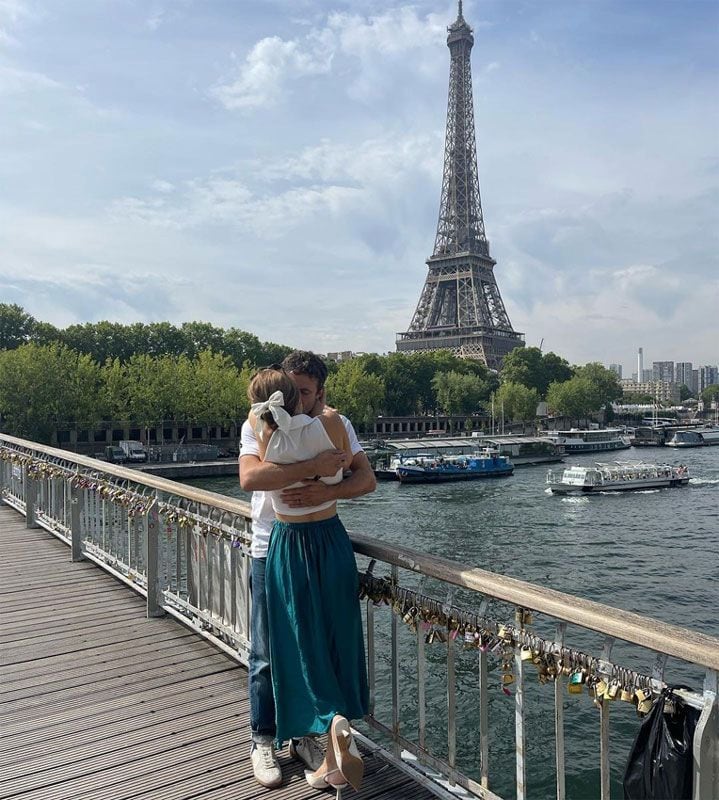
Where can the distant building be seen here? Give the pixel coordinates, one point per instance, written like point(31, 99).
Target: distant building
point(663, 371)
point(659, 390)
point(640, 364)
point(344, 355)
point(695, 381)
point(683, 374)
point(708, 376)
point(647, 376)
point(616, 369)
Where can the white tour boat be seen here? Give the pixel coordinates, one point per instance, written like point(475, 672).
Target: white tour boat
point(695, 437)
point(591, 441)
point(622, 476)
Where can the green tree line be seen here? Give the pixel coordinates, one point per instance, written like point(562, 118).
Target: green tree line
point(198, 373)
point(112, 340)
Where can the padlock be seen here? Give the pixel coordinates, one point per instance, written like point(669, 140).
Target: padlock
point(525, 654)
point(612, 691)
point(576, 683)
point(645, 706)
point(409, 616)
point(626, 695)
point(507, 678)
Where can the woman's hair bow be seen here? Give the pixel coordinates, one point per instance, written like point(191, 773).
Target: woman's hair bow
point(275, 406)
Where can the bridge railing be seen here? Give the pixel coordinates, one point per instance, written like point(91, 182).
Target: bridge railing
point(439, 634)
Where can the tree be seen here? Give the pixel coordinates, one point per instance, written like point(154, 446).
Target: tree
point(605, 382)
point(43, 386)
point(457, 393)
point(556, 369)
point(519, 402)
point(685, 392)
point(710, 393)
point(575, 398)
point(356, 393)
point(16, 326)
point(528, 367)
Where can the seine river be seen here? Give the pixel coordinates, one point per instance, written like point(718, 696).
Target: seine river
point(655, 553)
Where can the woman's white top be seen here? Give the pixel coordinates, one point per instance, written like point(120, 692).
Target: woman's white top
point(304, 438)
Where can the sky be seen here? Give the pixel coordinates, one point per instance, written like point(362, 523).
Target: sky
point(275, 165)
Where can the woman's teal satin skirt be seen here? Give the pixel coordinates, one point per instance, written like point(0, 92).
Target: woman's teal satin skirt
point(316, 640)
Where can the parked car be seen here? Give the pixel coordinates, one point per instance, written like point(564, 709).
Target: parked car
point(115, 455)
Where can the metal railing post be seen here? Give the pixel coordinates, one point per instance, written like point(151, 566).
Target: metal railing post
point(706, 742)
point(76, 509)
point(30, 500)
point(152, 561)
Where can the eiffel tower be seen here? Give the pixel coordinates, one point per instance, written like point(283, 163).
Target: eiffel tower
point(460, 308)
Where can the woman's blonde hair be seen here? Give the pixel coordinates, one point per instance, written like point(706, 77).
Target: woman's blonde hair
point(268, 381)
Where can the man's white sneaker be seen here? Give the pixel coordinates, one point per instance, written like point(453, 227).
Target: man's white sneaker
point(265, 766)
point(308, 751)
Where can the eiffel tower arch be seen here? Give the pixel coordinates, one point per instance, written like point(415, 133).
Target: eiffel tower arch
point(460, 308)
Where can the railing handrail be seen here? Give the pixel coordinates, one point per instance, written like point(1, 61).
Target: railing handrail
point(654, 634)
point(221, 501)
point(673, 640)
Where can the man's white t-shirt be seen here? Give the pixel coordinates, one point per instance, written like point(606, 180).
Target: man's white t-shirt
point(263, 515)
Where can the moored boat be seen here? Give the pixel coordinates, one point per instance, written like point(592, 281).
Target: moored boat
point(440, 469)
point(622, 476)
point(576, 440)
point(697, 437)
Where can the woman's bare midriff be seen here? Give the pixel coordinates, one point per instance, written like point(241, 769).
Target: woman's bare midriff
point(315, 516)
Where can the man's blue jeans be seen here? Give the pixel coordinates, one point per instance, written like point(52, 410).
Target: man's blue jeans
point(262, 701)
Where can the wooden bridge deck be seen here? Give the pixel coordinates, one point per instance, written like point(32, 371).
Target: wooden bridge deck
point(97, 702)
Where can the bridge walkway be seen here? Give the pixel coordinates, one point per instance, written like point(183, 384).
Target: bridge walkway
point(98, 702)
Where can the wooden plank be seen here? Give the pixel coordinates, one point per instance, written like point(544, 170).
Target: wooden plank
point(112, 686)
point(98, 712)
point(99, 702)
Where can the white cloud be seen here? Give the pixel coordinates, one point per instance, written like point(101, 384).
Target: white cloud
point(12, 13)
point(269, 64)
point(273, 62)
point(14, 81)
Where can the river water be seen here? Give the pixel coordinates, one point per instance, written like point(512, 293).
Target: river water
point(655, 553)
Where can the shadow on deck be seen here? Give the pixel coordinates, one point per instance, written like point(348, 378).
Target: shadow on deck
point(98, 702)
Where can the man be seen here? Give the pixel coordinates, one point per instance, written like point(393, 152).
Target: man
point(309, 374)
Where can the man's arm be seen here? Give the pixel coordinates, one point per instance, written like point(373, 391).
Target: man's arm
point(264, 476)
point(361, 481)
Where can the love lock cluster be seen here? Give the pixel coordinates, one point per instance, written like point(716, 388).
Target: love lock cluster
point(444, 622)
point(134, 503)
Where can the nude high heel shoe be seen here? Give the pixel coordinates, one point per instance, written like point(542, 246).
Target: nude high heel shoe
point(328, 775)
point(348, 758)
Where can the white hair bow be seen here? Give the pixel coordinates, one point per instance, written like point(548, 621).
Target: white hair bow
point(274, 404)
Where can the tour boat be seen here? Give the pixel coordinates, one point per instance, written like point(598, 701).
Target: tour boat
point(697, 437)
point(591, 441)
point(439, 469)
point(622, 476)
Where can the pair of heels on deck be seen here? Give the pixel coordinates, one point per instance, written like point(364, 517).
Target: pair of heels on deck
point(343, 763)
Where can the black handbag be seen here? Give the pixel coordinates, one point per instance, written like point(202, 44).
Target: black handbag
point(661, 764)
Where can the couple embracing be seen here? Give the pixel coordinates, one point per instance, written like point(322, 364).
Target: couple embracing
point(307, 671)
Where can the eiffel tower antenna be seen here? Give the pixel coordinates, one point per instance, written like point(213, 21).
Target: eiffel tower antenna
point(460, 308)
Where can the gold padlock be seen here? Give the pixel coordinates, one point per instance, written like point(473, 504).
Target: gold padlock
point(626, 695)
point(600, 688)
point(525, 653)
point(640, 695)
point(645, 706)
point(612, 691)
point(507, 678)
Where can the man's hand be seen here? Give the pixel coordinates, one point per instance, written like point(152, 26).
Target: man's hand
point(328, 462)
point(309, 494)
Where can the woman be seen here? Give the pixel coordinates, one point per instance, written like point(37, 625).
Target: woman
point(316, 643)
